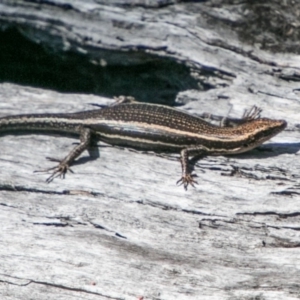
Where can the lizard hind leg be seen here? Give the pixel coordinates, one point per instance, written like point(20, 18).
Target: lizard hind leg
point(64, 165)
point(58, 171)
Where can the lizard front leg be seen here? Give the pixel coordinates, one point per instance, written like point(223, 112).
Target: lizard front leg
point(249, 114)
point(187, 176)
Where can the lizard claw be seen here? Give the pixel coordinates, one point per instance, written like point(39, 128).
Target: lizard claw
point(187, 179)
point(58, 171)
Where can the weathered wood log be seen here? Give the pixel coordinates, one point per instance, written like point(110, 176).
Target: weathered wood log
point(119, 227)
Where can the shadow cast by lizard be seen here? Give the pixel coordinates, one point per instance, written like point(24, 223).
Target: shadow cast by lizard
point(270, 150)
point(261, 152)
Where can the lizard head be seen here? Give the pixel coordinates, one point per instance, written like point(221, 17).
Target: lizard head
point(258, 131)
point(253, 133)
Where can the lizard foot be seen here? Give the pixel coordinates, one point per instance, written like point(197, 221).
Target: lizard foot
point(187, 179)
point(58, 171)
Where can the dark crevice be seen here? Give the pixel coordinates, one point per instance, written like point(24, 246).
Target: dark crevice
point(99, 226)
point(284, 227)
point(20, 188)
point(60, 221)
point(55, 224)
point(171, 208)
point(6, 205)
point(65, 6)
point(146, 77)
point(144, 4)
point(30, 281)
point(216, 223)
point(286, 193)
point(284, 245)
point(15, 188)
point(266, 213)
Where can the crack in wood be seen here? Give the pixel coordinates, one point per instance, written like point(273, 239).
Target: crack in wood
point(60, 286)
point(99, 226)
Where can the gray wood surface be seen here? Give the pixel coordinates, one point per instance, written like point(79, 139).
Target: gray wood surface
point(119, 227)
